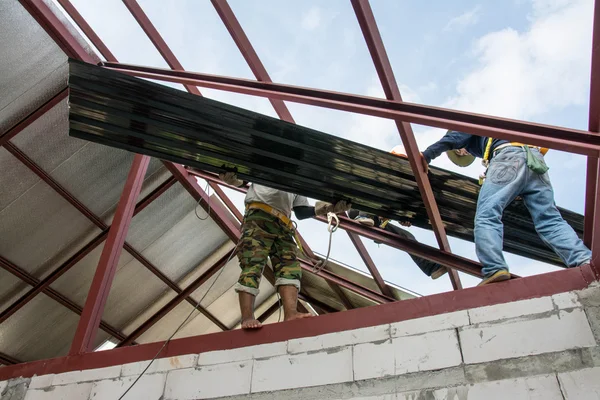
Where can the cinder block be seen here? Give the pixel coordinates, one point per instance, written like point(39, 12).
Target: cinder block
point(160, 365)
point(243, 353)
point(77, 391)
point(380, 397)
point(568, 330)
point(87, 375)
point(511, 310)
point(374, 360)
point(581, 385)
point(566, 300)
point(430, 351)
point(339, 339)
point(426, 352)
point(15, 389)
point(430, 324)
point(534, 388)
point(41, 382)
point(149, 387)
point(303, 370)
point(208, 382)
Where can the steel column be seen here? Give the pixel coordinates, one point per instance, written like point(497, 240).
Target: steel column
point(107, 266)
point(592, 211)
point(54, 295)
point(191, 288)
point(370, 31)
point(592, 175)
point(559, 138)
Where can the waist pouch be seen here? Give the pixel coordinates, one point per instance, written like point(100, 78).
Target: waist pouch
point(537, 165)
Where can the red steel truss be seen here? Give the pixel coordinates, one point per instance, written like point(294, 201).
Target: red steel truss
point(575, 141)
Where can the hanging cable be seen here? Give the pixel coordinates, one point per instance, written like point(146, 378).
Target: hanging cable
point(182, 324)
point(331, 227)
point(207, 190)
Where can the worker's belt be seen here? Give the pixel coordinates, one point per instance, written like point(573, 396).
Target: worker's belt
point(542, 150)
point(270, 210)
point(383, 223)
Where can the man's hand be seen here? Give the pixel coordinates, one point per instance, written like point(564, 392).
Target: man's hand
point(405, 223)
point(322, 207)
point(425, 164)
point(231, 179)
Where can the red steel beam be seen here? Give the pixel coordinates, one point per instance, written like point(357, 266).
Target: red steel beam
point(107, 54)
point(9, 134)
point(55, 295)
point(58, 31)
point(388, 238)
point(362, 251)
point(156, 39)
point(191, 288)
point(593, 126)
point(243, 43)
point(260, 72)
point(565, 139)
point(592, 211)
point(370, 31)
point(100, 224)
point(87, 30)
point(548, 284)
point(107, 266)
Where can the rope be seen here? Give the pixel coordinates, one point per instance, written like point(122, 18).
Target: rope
point(207, 190)
point(331, 228)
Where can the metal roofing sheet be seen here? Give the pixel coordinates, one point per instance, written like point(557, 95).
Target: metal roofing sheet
point(33, 67)
point(40, 230)
point(42, 329)
point(127, 112)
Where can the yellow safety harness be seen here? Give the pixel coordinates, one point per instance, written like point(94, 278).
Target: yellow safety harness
point(281, 216)
point(488, 150)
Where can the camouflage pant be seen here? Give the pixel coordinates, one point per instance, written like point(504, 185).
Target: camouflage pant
point(264, 236)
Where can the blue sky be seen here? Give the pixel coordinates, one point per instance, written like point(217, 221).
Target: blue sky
point(526, 59)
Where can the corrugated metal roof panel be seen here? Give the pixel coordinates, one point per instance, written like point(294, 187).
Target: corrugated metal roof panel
point(126, 112)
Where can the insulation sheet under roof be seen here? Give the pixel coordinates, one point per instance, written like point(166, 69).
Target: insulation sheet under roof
point(118, 110)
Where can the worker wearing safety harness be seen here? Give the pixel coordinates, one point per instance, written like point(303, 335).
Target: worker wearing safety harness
point(268, 231)
point(513, 169)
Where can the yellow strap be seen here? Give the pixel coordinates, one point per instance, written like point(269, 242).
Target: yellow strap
point(486, 154)
point(270, 210)
point(384, 223)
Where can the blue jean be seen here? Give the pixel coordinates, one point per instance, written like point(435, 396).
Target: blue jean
point(508, 177)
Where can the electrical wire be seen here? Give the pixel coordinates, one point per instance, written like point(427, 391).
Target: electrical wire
point(182, 324)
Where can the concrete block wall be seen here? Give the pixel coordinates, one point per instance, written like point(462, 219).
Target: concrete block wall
point(543, 348)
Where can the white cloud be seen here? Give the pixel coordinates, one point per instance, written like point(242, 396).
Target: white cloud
point(311, 19)
point(470, 17)
point(521, 75)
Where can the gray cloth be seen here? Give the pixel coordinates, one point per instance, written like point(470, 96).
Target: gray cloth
point(278, 199)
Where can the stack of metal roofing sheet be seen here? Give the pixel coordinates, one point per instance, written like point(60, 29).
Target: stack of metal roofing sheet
point(118, 110)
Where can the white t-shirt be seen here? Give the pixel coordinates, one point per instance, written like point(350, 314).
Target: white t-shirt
point(278, 199)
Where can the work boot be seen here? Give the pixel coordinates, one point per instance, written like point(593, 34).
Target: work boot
point(366, 221)
point(441, 271)
point(498, 276)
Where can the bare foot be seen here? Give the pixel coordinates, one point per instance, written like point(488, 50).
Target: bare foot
point(251, 323)
point(297, 316)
